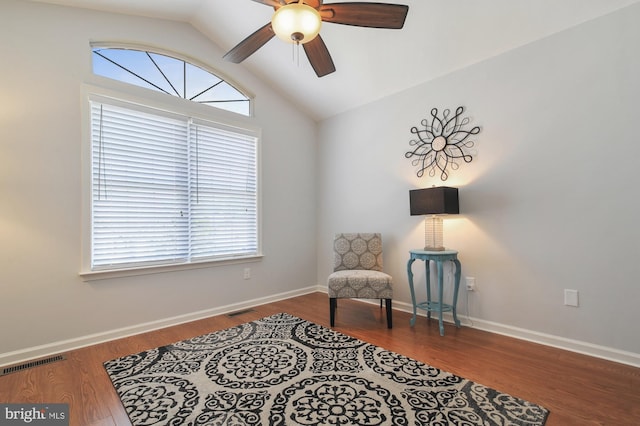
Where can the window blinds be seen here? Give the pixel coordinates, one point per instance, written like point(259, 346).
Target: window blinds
point(223, 193)
point(166, 190)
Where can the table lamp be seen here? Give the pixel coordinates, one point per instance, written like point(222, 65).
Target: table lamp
point(433, 202)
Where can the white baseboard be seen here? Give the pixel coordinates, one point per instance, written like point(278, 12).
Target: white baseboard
point(17, 357)
point(585, 348)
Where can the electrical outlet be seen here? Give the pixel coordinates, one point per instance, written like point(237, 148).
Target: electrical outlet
point(471, 284)
point(247, 273)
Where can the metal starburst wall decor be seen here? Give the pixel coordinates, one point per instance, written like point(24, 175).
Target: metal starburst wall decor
point(441, 142)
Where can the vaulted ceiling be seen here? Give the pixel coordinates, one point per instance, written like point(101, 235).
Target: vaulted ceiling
point(439, 36)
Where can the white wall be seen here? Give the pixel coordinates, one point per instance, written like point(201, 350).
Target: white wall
point(550, 202)
point(45, 62)
point(557, 121)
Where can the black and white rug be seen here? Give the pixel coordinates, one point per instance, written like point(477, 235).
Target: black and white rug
point(282, 370)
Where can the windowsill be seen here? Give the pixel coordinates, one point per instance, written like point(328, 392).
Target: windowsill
point(160, 269)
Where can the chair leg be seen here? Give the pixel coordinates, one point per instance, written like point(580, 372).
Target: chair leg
point(389, 313)
point(333, 302)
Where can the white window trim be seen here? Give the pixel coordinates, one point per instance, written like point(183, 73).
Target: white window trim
point(123, 93)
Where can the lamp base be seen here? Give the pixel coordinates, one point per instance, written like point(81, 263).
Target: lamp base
point(433, 240)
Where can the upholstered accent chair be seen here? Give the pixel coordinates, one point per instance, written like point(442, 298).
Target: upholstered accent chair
point(358, 272)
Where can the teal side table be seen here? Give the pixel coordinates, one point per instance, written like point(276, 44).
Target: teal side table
point(438, 257)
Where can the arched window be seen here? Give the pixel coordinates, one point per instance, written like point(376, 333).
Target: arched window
point(168, 186)
point(169, 75)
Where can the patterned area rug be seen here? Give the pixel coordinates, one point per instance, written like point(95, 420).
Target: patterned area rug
point(282, 370)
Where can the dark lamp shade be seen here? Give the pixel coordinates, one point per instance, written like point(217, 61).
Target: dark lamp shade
point(437, 200)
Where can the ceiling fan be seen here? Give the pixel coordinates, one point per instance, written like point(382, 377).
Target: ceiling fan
point(299, 21)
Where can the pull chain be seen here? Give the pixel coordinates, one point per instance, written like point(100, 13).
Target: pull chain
point(296, 37)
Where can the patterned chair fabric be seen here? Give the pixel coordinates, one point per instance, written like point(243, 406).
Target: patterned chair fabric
point(358, 271)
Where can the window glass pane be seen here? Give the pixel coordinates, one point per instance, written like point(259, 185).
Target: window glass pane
point(201, 83)
point(129, 66)
point(172, 72)
point(169, 75)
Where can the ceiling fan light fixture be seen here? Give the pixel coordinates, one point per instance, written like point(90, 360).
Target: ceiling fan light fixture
point(296, 23)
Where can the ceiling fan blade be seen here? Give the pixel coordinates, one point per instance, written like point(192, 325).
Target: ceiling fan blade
point(319, 56)
point(273, 3)
point(374, 15)
point(249, 45)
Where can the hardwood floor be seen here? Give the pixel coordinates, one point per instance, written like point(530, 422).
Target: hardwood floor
point(577, 389)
